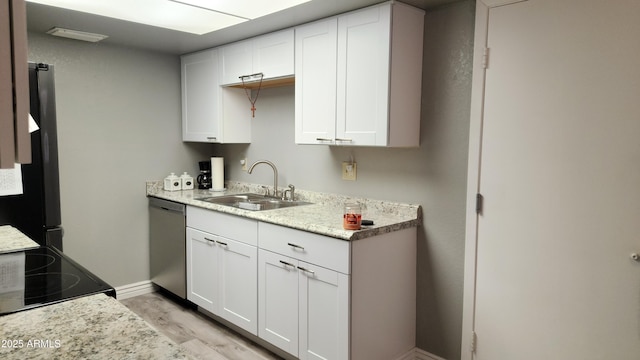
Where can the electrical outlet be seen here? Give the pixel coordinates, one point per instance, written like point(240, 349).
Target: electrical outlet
point(349, 171)
point(243, 162)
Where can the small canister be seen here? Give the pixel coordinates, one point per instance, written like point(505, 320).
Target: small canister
point(352, 218)
point(186, 181)
point(172, 183)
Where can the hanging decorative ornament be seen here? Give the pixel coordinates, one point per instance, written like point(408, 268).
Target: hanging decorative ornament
point(248, 91)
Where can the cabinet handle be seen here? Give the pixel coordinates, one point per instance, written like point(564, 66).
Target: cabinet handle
point(287, 264)
point(210, 240)
point(252, 76)
point(344, 140)
point(296, 246)
point(323, 139)
point(221, 243)
point(306, 270)
point(211, 138)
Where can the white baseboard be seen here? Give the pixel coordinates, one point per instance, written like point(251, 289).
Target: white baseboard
point(418, 354)
point(423, 355)
point(135, 289)
point(411, 355)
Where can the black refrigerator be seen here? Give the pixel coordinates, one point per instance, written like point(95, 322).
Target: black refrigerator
point(36, 212)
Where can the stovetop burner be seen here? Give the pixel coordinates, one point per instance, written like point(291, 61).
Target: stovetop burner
point(42, 261)
point(44, 276)
point(48, 283)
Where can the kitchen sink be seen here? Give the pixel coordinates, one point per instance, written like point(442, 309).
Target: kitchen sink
point(254, 202)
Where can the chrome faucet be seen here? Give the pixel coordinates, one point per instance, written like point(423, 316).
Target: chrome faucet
point(275, 174)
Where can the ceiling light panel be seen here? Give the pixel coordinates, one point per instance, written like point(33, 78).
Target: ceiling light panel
point(77, 35)
point(249, 9)
point(160, 13)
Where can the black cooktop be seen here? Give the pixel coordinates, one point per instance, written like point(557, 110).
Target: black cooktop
point(44, 276)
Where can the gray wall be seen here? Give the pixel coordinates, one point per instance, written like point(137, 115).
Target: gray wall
point(433, 175)
point(119, 112)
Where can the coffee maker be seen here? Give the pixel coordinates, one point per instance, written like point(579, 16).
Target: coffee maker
point(204, 178)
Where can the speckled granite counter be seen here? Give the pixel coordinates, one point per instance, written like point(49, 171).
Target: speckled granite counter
point(93, 327)
point(11, 239)
point(323, 216)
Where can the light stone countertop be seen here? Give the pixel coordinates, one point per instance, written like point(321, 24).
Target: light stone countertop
point(323, 216)
point(11, 239)
point(93, 327)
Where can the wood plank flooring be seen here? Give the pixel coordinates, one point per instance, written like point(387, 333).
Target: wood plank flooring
point(200, 336)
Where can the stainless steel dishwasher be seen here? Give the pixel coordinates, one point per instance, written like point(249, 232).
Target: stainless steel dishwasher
point(167, 246)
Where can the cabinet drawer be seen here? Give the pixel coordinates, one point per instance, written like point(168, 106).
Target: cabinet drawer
point(312, 248)
point(229, 226)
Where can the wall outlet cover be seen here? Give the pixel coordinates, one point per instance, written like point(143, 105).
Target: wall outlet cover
point(349, 170)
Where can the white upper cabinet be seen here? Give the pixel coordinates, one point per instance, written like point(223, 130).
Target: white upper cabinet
point(207, 109)
point(315, 89)
point(270, 54)
point(200, 96)
point(378, 78)
point(273, 54)
point(236, 59)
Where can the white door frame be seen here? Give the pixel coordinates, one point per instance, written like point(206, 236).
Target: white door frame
point(473, 174)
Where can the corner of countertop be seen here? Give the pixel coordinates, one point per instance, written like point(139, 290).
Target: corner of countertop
point(153, 186)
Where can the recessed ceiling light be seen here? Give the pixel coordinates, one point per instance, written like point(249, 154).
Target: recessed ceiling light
point(77, 35)
point(192, 16)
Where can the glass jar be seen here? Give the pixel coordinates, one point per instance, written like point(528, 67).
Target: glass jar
point(352, 218)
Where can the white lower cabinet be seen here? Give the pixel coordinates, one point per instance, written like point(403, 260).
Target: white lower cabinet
point(311, 296)
point(202, 270)
point(303, 292)
point(303, 308)
point(278, 301)
point(237, 284)
point(323, 314)
point(222, 273)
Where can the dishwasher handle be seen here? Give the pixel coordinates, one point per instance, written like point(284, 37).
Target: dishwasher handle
point(167, 205)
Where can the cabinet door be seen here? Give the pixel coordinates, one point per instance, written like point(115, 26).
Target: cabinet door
point(200, 97)
point(202, 270)
point(235, 61)
point(273, 54)
point(323, 313)
point(239, 283)
point(7, 149)
point(278, 300)
point(15, 140)
point(363, 76)
point(315, 87)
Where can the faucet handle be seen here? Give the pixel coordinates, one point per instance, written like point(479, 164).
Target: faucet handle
point(291, 191)
point(266, 189)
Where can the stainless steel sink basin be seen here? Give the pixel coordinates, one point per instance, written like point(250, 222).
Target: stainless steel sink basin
point(254, 202)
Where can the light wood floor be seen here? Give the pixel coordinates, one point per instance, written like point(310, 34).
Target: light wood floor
point(200, 336)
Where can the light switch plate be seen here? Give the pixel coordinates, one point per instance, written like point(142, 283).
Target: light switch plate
point(349, 170)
